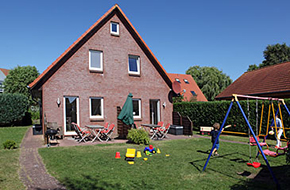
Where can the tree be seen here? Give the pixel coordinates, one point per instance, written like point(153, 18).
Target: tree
point(210, 80)
point(19, 78)
point(274, 54)
point(252, 67)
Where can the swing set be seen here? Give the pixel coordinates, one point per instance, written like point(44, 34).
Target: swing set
point(268, 152)
point(255, 140)
point(274, 125)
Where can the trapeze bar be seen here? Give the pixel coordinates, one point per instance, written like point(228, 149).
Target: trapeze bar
point(257, 97)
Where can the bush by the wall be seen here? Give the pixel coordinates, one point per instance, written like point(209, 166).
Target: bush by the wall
point(12, 108)
point(9, 144)
point(138, 136)
point(207, 113)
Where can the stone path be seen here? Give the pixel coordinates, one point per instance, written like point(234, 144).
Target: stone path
point(32, 170)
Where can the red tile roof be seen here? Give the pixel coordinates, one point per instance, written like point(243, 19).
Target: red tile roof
point(273, 81)
point(43, 77)
point(191, 86)
point(4, 71)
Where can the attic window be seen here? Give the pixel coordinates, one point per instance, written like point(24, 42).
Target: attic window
point(134, 65)
point(177, 80)
point(193, 93)
point(114, 28)
point(186, 81)
point(96, 60)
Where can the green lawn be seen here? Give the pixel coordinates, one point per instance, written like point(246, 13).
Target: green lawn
point(95, 167)
point(9, 159)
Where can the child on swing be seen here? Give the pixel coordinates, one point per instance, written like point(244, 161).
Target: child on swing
point(280, 131)
point(214, 134)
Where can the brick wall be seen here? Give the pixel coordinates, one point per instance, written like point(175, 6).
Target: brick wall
point(74, 78)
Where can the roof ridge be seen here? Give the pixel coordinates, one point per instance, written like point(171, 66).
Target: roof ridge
point(266, 67)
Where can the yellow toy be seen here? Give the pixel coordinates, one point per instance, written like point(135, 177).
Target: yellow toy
point(158, 151)
point(138, 154)
point(130, 154)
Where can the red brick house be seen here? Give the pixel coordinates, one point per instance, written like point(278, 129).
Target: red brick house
point(96, 73)
point(270, 81)
point(190, 90)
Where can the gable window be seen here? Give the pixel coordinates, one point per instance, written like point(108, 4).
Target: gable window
point(114, 28)
point(193, 93)
point(136, 108)
point(134, 65)
point(96, 60)
point(96, 108)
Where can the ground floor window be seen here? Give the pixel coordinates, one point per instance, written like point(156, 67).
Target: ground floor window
point(136, 108)
point(96, 108)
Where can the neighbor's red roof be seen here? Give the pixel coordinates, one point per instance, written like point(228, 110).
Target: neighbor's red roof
point(273, 81)
point(191, 86)
point(74, 47)
point(5, 71)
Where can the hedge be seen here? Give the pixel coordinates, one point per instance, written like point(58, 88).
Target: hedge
point(207, 113)
point(13, 108)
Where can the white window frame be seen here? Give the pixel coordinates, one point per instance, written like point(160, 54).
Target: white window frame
point(140, 113)
point(111, 29)
point(102, 108)
point(90, 61)
point(138, 65)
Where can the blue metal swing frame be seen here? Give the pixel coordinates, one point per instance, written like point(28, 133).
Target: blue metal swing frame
point(235, 99)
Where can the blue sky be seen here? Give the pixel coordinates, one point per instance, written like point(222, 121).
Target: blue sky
point(227, 34)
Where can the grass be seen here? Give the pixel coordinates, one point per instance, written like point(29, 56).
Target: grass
point(9, 159)
point(95, 167)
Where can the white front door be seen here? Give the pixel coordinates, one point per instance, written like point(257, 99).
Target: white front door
point(71, 113)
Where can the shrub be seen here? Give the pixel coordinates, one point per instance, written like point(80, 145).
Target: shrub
point(12, 107)
point(138, 136)
point(9, 144)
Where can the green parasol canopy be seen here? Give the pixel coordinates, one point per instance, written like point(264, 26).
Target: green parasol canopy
point(126, 115)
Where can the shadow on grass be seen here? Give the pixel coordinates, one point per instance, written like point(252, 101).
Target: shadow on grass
point(264, 180)
point(97, 182)
point(208, 151)
point(198, 166)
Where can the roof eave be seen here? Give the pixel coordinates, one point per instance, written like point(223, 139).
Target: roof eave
point(256, 94)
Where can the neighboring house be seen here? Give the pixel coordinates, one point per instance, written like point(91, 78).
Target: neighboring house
point(270, 81)
point(3, 74)
point(96, 73)
point(190, 90)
